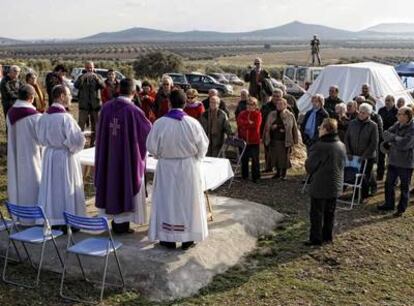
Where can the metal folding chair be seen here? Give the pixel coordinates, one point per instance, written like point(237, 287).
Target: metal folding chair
point(233, 149)
point(36, 235)
point(354, 173)
point(5, 225)
point(97, 247)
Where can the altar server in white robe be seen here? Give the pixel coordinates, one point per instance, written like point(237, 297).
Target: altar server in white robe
point(178, 211)
point(24, 153)
point(61, 187)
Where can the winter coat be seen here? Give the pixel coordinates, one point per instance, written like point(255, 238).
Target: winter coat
point(249, 131)
point(325, 164)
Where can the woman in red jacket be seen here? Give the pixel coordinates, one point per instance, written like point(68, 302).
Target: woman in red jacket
point(248, 124)
point(147, 98)
point(193, 107)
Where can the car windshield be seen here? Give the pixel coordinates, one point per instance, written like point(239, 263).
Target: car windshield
point(178, 78)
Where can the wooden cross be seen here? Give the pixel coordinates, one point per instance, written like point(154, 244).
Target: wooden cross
point(114, 125)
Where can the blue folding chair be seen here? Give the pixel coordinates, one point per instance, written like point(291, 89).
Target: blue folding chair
point(97, 247)
point(30, 235)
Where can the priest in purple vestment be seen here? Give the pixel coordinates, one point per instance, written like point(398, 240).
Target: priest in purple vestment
point(120, 160)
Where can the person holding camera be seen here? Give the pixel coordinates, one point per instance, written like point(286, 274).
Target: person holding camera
point(257, 78)
point(89, 85)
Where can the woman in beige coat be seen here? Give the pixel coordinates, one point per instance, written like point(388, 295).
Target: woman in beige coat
point(280, 134)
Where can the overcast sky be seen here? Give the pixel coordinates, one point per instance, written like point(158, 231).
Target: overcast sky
point(78, 18)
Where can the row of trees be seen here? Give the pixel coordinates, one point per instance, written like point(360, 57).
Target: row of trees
point(148, 66)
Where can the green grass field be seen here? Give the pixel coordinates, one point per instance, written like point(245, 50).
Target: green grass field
point(370, 263)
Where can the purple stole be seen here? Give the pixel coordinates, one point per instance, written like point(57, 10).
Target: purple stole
point(17, 113)
point(55, 110)
point(176, 114)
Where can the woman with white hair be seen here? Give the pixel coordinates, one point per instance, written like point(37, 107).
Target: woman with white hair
point(361, 140)
point(342, 120)
point(313, 119)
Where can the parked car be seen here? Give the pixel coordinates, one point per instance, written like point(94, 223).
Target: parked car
point(203, 83)
point(219, 77)
point(179, 80)
point(234, 79)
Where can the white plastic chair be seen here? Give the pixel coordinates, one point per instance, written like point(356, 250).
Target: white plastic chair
point(354, 174)
point(35, 235)
point(100, 247)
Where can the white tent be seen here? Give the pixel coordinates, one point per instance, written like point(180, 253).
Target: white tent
point(383, 80)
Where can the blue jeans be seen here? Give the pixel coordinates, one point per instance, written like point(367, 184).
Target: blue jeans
point(405, 179)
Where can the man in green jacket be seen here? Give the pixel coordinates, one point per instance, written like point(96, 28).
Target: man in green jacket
point(89, 85)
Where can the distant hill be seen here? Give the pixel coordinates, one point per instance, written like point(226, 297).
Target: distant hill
point(7, 41)
point(396, 28)
point(293, 30)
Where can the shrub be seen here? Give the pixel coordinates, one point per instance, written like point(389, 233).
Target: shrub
point(154, 65)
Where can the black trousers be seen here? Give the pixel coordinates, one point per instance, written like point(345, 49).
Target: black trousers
point(322, 216)
point(380, 165)
point(405, 179)
point(367, 178)
point(251, 152)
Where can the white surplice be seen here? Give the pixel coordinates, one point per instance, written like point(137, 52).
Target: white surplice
point(178, 212)
point(61, 187)
point(24, 158)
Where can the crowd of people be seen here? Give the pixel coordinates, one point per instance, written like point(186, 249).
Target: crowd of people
point(179, 130)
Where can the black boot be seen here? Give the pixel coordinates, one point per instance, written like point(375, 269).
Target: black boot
point(121, 228)
point(187, 245)
point(168, 245)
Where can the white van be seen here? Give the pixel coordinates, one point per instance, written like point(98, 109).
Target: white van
point(298, 78)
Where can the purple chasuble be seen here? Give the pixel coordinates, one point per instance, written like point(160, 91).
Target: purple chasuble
point(176, 114)
point(56, 110)
point(120, 155)
point(17, 113)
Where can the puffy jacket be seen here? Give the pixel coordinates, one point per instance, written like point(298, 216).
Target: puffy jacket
point(325, 164)
point(361, 138)
point(249, 131)
point(401, 141)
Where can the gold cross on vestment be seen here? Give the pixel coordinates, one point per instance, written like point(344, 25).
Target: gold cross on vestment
point(114, 125)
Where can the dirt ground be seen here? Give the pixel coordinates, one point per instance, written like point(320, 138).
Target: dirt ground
point(371, 261)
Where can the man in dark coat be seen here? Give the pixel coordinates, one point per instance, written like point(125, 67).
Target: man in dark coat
point(400, 142)
point(256, 78)
point(54, 78)
point(365, 92)
point(388, 115)
point(315, 48)
point(332, 100)
point(89, 85)
point(222, 105)
point(361, 140)
point(325, 164)
point(9, 88)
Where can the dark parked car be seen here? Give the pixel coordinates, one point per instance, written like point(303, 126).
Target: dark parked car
point(180, 80)
point(219, 77)
point(203, 83)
